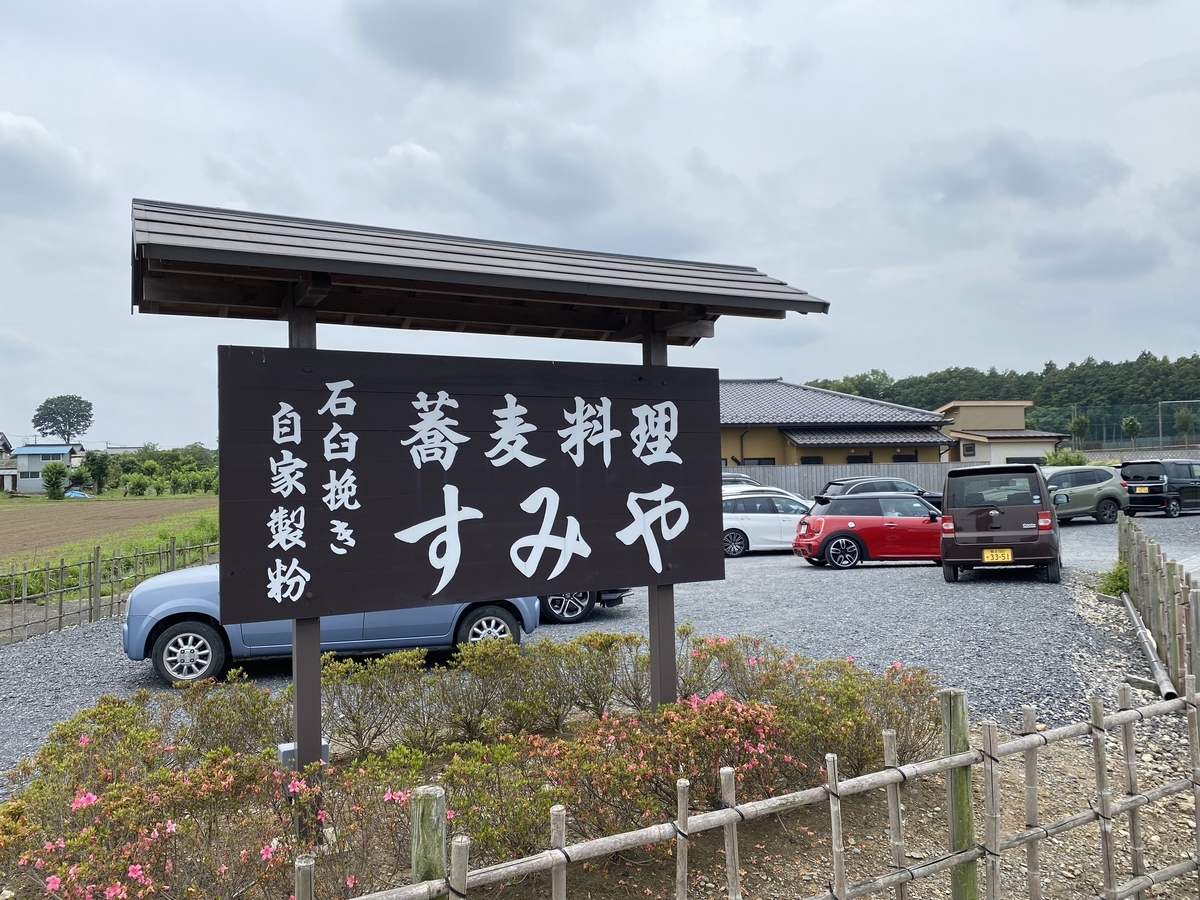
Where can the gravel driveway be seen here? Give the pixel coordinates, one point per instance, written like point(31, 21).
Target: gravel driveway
point(1006, 637)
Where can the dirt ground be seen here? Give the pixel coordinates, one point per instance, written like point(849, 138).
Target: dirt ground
point(28, 525)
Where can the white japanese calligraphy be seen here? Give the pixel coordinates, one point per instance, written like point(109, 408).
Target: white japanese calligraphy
point(445, 550)
point(287, 473)
point(657, 426)
point(340, 490)
point(287, 528)
point(286, 584)
point(343, 533)
point(588, 424)
point(337, 405)
point(641, 528)
point(570, 544)
point(434, 440)
point(340, 444)
point(510, 433)
point(285, 425)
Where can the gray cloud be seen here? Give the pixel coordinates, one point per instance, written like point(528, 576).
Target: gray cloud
point(1006, 166)
point(17, 348)
point(1110, 254)
point(1180, 201)
point(258, 183)
point(40, 174)
point(558, 177)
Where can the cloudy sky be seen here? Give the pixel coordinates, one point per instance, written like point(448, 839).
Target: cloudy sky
point(993, 183)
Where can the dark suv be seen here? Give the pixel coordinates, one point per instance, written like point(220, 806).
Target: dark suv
point(1000, 516)
point(1168, 486)
point(864, 484)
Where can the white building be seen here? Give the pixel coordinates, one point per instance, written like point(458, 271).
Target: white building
point(32, 457)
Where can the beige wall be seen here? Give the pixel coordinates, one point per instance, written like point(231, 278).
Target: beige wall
point(768, 442)
point(970, 417)
point(997, 452)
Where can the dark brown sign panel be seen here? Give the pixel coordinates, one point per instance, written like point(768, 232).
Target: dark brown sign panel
point(355, 482)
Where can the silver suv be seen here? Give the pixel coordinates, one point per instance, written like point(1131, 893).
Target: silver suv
point(1094, 491)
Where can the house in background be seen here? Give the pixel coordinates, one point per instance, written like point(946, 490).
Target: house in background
point(32, 457)
point(993, 431)
point(768, 422)
point(8, 466)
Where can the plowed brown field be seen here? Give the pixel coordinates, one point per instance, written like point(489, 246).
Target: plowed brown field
point(38, 525)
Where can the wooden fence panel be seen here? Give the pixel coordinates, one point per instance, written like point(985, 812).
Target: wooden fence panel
point(807, 480)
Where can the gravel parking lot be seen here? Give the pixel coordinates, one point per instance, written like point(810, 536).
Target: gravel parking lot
point(1007, 637)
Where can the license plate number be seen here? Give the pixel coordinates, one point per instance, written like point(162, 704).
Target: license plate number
point(997, 556)
point(1141, 490)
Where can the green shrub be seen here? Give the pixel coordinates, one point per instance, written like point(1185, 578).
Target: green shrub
point(363, 702)
point(54, 474)
point(473, 689)
point(1115, 581)
point(1065, 456)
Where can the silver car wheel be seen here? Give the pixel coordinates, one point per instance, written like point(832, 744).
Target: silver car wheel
point(843, 552)
point(188, 651)
point(186, 656)
point(568, 607)
point(490, 627)
point(485, 622)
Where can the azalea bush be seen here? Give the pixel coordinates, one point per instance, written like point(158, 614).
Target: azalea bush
point(179, 794)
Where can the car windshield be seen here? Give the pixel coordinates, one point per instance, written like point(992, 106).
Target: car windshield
point(832, 488)
point(1007, 489)
point(1142, 472)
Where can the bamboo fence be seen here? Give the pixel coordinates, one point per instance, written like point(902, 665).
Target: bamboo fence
point(1020, 848)
point(57, 596)
point(1166, 598)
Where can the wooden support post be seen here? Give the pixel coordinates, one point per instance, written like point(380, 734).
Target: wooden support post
point(1129, 758)
point(1103, 801)
point(1033, 859)
point(733, 862)
point(960, 814)
point(991, 804)
point(96, 568)
point(558, 840)
point(1194, 618)
point(682, 799)
point(837, 847)
point(428, 808)
point(460, 861)
point(172, 559)
point(306, 865)
point(1193, 721)
point(895, 813)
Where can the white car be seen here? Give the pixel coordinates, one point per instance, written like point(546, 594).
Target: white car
point(760, 518)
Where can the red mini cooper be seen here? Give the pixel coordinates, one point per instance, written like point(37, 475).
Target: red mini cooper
point(846, 529)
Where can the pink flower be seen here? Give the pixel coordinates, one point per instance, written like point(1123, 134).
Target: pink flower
point(222, 869)
point(849, 659)
point(170, 826)
point(350, 882)
point(297, 785)
point(82, 800)
point(116, 889)
point(449, 814)
point(321, 815)
point(84, 740)
point(266, 852)
point(53, 883)
point(135, 872)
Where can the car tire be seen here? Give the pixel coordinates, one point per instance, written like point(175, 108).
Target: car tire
point(814, 561)
point(568, 607)
point(485, 622)
point(1131, 513)
point(1054, 572)
point(1107, 511)
point(1173, 508)
point(949, 572)
point(187, 652)
point(736, 543)
point(843, 552)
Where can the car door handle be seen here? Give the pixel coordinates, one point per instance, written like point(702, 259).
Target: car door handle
point(891, 524)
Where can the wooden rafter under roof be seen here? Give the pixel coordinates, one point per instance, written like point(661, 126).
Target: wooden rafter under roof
point(196, 261)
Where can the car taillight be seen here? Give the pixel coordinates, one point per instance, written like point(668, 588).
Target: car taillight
point(947, 525)
point(1045, 522)
point(814, 525)
point(1124, 483)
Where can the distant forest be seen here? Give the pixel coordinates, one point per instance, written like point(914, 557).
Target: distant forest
point(1147, 379)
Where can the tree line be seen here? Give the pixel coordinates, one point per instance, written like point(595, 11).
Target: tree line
point(1145, 380)
point(149, 470)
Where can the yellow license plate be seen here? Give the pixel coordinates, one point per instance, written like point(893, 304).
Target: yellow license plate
point(1141, 490)
point(1001, 555)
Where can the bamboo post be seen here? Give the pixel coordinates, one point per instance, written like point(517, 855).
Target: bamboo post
point(964, 878)
point(991, 805)
point(1193, 747)
point(172, 553)
point(460, 861)
point(682, 800)
point(1179, 603)
point(895, 817)
point(428, 805)
point(306, 865)
point(733, 863)
point(1194, 619)
point(558, 840)
point(1104, 800)
point(46, 597)
point(836, 847)
point(1129, 757)
point(1175, 663)
point(96, 569)
point(1033, 861)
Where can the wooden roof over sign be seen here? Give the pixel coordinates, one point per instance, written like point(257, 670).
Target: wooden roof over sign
point(196, 261)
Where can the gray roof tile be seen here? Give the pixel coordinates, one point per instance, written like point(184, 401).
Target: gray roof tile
point(864, 437)
point(772, 401)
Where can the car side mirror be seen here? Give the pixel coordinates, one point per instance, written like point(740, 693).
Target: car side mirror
point(1060, 499)
point(933, 517)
